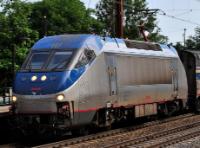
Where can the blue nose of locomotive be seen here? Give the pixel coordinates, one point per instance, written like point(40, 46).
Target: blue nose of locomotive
point(42, 83)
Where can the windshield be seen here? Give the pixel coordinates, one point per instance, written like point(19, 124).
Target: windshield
point(37, 60)
point(54, 60)
point(59, 60)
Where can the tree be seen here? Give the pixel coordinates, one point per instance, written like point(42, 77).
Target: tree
point(134, 14)
point(194, 40)
point(62, 16)
point(192, 43)
point(16, 36)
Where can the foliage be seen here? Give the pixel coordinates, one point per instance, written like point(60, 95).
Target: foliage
point(192, 43)
point(62, 16)
point(15, 34)
point(134, 14)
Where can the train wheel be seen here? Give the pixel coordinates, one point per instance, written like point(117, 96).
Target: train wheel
point(173, 108)
point(83, 131)
point(109, 119)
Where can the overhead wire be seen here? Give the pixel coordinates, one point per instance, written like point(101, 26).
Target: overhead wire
point(163, 13)
point(171, 16)
point(177, 18)
point(183, 13)
point(181, 9)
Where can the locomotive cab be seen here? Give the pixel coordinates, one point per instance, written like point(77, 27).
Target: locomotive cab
point(48, 72)
point(53, 65)
point(57, 60)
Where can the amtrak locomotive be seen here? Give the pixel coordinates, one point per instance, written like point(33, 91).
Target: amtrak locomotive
point(73, 81)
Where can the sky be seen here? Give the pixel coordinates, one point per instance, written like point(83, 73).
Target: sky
point(187, 10)
point(184, 9)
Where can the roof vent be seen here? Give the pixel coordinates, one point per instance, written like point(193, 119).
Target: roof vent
point(142, 45)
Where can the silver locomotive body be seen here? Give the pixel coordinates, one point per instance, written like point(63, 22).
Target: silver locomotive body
point(125, 80)
point(128, 81)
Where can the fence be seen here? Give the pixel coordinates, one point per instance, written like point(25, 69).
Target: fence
point(6, 98)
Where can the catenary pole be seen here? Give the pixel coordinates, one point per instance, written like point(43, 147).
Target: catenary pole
point(119, 18)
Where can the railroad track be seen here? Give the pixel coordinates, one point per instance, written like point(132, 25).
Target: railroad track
point(163, 138)
point(95, 138)
point(179, 137)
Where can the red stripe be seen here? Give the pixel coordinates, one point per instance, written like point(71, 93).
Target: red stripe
point(35, 88)
point(86, 110)
point(90, 109)
point(116, 106)
point(131, 105)
point(37, 112)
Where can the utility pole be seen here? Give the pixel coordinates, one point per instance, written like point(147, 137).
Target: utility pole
point(45, 25)
point(119, 30)
point(184, 36)
point(13, 60)
point(114, 20)
point(119, 18)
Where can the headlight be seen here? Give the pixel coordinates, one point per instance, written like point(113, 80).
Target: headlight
point(14, 98)
point(33, 78)
point(60, 97)
point(43, 78)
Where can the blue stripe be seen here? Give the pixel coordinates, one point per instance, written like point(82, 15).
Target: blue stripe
point(68, 42)
point(198, 76)
point(56, 81)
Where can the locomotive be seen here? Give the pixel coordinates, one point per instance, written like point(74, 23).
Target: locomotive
point(69, 82)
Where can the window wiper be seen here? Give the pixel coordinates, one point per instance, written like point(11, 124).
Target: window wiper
point(60, 63)
point(29, 68)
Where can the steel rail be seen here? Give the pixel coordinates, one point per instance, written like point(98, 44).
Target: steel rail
point(83, 139)
point(176, 140)
point(136, 142)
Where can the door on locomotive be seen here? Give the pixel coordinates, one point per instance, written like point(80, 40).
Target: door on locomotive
point(174, 70)
point(112, 74)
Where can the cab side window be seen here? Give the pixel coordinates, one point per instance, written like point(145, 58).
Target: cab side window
point(82, 61)
point(90, 55)
point(86, 57)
